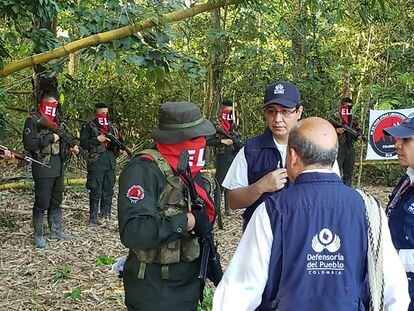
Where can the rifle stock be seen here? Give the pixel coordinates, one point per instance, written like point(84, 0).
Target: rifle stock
point(21, 157)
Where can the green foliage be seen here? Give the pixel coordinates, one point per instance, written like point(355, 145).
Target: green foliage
point(62, 273)
point(386, 175)
point(207, 304)
point(311, 43)
point(103, 260)
point(75, 294)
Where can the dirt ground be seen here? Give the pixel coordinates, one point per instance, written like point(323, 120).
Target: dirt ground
point(75, 274)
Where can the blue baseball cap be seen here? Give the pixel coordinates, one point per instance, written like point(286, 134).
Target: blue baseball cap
point(282, 93)
point(404, 130)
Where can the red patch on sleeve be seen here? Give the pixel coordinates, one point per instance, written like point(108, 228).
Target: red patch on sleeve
point(135, 193)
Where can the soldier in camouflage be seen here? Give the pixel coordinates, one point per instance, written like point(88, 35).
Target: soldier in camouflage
point(155, 218)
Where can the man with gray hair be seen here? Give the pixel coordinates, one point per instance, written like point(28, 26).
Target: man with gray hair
point(311, 246)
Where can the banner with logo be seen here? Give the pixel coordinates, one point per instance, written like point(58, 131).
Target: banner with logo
point(381, 146)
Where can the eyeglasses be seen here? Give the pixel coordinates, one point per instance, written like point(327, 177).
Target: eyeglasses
point(286, 113)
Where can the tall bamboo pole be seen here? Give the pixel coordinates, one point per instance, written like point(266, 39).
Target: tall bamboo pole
point(111, 35)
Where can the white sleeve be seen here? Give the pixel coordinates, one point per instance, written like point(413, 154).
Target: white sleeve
point(396, 297)
point(236, 176)
point(243, 283)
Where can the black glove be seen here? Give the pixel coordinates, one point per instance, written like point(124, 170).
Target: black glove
point(203, 226)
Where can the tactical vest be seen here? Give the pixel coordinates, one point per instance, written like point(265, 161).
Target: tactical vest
point(173, 200)
point(43, 154)
point(94, 152)
point(319, 250)
point(262, 157)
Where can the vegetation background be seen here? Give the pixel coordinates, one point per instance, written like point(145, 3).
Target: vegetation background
point(363, 49)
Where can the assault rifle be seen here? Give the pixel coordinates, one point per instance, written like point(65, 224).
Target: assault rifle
point(21, 156)
point(210, 259)
point(62, 131)
point(112, 138)
point(347, 128)
point(238, 144)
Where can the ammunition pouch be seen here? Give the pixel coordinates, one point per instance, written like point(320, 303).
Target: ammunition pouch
point(93, 153)
point(43, 154)
point(174, 200)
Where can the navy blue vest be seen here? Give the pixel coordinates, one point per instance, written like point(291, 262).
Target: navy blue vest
point(319, 251)
point(401, 221)
point(262, 157)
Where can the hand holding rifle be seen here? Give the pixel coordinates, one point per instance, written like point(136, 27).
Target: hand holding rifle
point(12, 154)
point(6, 154)
point(235, 140)
point(341, 128)
point(111, 138)
point(60, 132)
point(210, 259)
point(102, 138)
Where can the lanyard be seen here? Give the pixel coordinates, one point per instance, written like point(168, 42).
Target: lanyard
point(404, 186)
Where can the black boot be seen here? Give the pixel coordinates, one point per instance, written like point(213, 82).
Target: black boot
point(93, 212)
point(106, 207)
point(38, 229)
point(55, 224)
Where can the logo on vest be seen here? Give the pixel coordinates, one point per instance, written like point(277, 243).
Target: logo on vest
point(411, 208)
point(135, 193)
point(326, 240)
point(327, 260)
point(279, 89)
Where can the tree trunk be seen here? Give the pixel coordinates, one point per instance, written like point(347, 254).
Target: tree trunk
point(345, 89)
point(215, 69)
point(41, 23)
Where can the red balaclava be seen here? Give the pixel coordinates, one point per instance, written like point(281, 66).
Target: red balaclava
point(346, 113)
point(196, 148)
point(103, 121)
point(226, 118)
point(48, 110)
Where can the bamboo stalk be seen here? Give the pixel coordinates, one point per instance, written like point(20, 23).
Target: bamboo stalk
point(110, 35)
point(67, 182)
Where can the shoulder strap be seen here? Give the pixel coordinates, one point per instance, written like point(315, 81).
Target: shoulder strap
point(375, 251)
point(162, 165)
point(159, 160)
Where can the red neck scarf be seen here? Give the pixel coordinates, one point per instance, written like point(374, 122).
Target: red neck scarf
point(49, 111)
point(195, 147)
point(226, 118)
point(346, 113)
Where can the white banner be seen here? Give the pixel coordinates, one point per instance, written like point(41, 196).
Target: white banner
point(381, 146)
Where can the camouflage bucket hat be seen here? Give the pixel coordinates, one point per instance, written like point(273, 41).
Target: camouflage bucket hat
point(179, 121)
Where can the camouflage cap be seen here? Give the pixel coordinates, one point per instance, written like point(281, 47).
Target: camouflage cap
point(179, 121)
